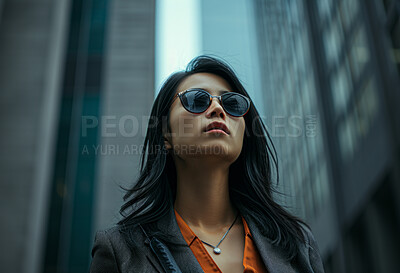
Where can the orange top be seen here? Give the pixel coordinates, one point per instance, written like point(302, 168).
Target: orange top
point(252, 261)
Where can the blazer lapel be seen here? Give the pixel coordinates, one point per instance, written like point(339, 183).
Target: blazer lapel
point(155, 263)
point(183, 256)
point(271, 255)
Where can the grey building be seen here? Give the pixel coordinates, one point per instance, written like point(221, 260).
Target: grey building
point(33, 38)
point(294, 116)
point(356, 55)
point(338, 60)
point(77, 84)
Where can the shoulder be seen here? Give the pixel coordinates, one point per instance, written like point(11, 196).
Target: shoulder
point(308, 235)
point(110, 235)
point(114, 238)
point(110, 250)
point(116, 235)
point(311, 251)
point(103, 252)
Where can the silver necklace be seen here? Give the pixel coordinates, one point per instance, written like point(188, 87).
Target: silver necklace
point(217, 250)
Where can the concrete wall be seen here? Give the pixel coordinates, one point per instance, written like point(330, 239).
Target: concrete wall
point(32, 41)
point(127, 98)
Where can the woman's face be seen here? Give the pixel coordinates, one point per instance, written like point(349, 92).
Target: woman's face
point(189, 138)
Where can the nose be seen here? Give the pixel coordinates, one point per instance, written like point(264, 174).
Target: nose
point(215, 109)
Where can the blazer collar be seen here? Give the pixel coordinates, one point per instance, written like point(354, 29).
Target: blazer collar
point(271, 255)
point(184, 257)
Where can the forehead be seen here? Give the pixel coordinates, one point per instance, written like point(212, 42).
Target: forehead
point(212, 83)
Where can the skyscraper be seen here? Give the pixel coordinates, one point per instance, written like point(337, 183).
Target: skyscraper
point(294, 116)
point(337, 61)
point(355, 45)
point(33, 35)
point(77, 81)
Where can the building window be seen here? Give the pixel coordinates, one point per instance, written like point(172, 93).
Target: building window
point(359, 53)
point(366, 107)
point(349, 10)
point(333, 42)
point(324, 8)
point(341, 89)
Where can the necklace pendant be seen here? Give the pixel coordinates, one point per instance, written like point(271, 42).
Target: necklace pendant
point(217, 250)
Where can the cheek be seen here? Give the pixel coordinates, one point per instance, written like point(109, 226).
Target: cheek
point(239, 138)
point(239, 128)
point(242, 132)
point(183, 126)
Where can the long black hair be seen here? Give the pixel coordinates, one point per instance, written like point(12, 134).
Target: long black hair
point(250, 176)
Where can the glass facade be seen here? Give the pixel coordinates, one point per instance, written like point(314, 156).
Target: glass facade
point(392, 20)
point(291, 98)
point(69, 228)
point(321, 65)
point(347, 59)
point(356, 83)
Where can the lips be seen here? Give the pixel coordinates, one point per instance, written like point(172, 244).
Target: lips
point(217, 125)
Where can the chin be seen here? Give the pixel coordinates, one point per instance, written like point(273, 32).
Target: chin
point(211, 151)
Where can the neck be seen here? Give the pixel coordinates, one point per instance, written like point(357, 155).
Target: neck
point(202, 197)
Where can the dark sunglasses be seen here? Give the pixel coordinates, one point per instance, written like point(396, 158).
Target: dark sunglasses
point(198, 100)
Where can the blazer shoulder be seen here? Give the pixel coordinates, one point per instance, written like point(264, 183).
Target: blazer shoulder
point(112, 253)
point(114, 238)
point(113, 233)
point(103, 251)
point(312, 250)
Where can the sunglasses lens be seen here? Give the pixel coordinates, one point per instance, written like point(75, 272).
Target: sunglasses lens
point(195, 101)
point(235, 104)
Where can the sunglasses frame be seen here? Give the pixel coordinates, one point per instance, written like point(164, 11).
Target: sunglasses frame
point(180, 94)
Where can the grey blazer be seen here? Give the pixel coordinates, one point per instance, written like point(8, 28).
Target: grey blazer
point(111, 254)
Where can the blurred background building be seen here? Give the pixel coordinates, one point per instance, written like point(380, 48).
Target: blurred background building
point(77, 81)
point(335, 64)
point(356, 56)
point(77, 77)
point(294, 115)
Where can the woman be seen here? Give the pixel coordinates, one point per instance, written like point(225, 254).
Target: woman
point(203, 201)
